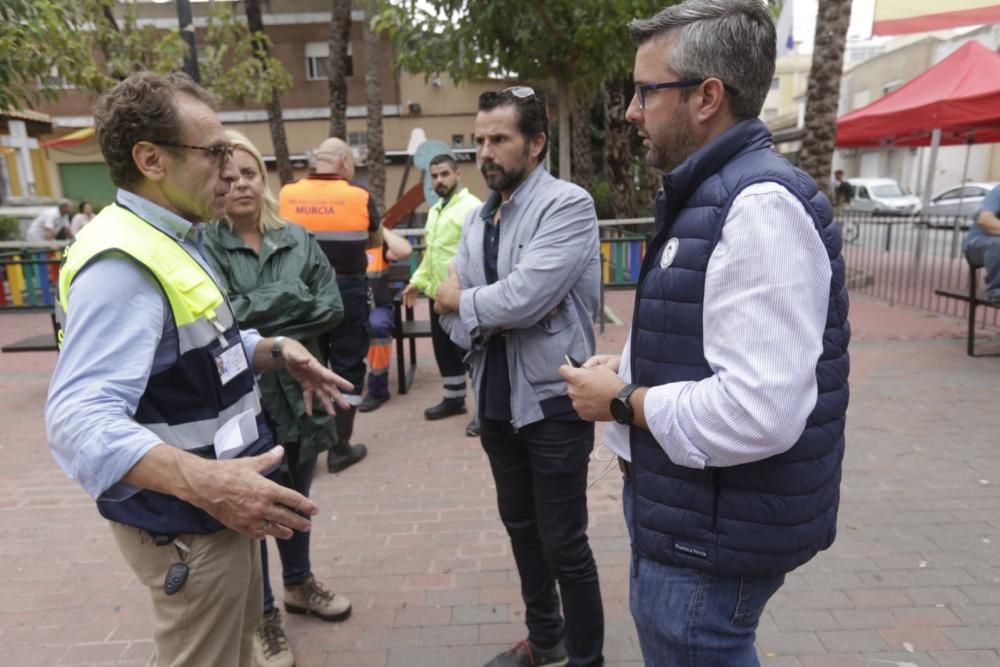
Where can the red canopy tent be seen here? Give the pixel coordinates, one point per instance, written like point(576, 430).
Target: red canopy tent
point(959, 96)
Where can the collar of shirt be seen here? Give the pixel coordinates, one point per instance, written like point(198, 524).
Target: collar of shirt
point(167, 222)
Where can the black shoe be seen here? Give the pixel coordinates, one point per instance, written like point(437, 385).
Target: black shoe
point(370, 403)
point(444, 409)
point(526, 654)
point(335, 461)
point(472, 430)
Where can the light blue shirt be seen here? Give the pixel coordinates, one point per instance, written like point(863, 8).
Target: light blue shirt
point(122, 332)
point(991, 203)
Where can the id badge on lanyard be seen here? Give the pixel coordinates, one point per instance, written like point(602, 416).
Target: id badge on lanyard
point(230, 360)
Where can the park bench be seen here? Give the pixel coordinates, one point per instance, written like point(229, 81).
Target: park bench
point(975, 298)
point(406, 329)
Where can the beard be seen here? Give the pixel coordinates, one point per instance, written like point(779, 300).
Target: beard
point(673, 144)
point(499, 179)
point(444, 191)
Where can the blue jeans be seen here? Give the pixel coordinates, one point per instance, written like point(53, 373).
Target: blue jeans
point(982, 249)
point(294, 552)
point(691, 618)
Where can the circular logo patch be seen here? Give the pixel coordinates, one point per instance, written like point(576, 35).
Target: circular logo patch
point(669, 252)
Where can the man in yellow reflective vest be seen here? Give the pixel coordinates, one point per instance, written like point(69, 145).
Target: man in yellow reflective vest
point(441, 236)
point(342, 215)
point(153, 406)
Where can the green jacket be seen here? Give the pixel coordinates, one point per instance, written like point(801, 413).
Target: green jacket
point(289, 290)
point(441, 236)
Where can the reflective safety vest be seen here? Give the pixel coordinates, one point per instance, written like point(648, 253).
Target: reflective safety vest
point(378, 275)
point(337, 212)
point(186, 403)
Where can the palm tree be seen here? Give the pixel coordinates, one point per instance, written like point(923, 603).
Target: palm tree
point(340, 35)
point(275, 120)
point(619, 164)
point(376, 150)
point(823, 93)
point(583, 161)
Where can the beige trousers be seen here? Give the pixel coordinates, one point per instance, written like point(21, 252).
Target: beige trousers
point(211, 620)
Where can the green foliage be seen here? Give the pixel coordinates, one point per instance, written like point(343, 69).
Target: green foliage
point(88, 46)
point(10, 228)
point(584, 42)
point(601, 192)
point(237, 64)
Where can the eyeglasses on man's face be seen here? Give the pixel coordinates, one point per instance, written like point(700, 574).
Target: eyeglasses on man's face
point(642, 88)
point(220, 153)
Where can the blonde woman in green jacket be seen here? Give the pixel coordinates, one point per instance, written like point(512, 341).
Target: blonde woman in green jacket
point(441, 236)
point(280, 282)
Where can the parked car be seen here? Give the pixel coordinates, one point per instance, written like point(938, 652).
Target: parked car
point(960, 200)
point(882, 196)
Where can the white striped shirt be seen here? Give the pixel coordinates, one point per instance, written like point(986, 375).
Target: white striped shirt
point(767, 289)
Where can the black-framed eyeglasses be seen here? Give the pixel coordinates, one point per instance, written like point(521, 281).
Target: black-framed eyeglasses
point(520, 92)
point(220, 153)
point(642, 88)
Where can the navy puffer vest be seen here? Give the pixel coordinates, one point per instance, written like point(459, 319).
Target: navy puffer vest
point(761, 518)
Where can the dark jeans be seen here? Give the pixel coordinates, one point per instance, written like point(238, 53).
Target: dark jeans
point(449, 358)
point(541, 479)
point(294, 552)
point(349, 340)
point(982, 249)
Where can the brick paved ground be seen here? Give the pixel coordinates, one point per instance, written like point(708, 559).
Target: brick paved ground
point(412, 536)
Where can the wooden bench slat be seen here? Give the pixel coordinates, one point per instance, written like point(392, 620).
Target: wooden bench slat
point(962, 295)
point(42, 343)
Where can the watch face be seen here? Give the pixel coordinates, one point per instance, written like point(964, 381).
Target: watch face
point(620, 411)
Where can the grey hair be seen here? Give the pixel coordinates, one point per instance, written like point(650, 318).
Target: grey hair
point(731, 40)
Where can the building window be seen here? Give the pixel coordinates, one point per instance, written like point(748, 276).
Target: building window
point(776, 83)
point(357, 139)
point(457, 140)
point(54, 80)
point(770, 114)
point(318, 60)
point(891, 86)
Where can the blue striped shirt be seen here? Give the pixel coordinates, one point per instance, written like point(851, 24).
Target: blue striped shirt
point(123, 332)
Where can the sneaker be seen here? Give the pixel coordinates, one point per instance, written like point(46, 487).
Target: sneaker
point(526, 654)
point(310, 597)
point(336, 462)
point(445, 408)
point(270, 645)
point(472, 430)
point(370, 403)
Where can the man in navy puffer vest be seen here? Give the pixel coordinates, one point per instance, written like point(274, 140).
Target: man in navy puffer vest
point(730, 395)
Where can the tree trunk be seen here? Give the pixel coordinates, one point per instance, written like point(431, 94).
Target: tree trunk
point(275, 119)
point(583, 159)
point(376, 150)
point(618, 161)
point(565, 141)
point(823, 93)
point(340, 35)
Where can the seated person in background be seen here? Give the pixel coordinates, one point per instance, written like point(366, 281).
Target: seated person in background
point(50, 223)
point(280, 281)
point(85, 214)
point(982, 243)
point(386, 247)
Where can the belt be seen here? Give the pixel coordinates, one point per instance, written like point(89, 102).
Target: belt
point(625, 467)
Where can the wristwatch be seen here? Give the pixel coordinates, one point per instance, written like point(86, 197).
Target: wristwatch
point(276, 349)
point(621, 408)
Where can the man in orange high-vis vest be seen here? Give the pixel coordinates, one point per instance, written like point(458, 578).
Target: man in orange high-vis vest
point(391, 247)
point(342, 215)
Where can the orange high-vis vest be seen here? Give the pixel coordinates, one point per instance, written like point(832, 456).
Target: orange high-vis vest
point(332, 209)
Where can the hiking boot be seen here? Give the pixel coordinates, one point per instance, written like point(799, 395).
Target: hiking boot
point(472, 430)
point(270, 645)
point(310, 597)
point(445, 408)
point(340, 458)
point(371, 403)
point(526, 654)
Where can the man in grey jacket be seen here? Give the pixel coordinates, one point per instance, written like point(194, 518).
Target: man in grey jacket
point(522, 296)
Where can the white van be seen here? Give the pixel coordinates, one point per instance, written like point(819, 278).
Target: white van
point(882, 196)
